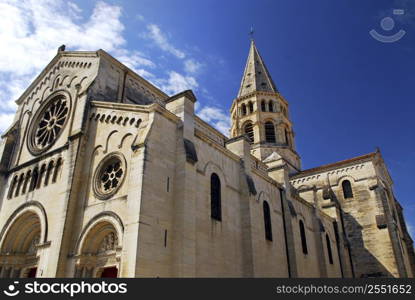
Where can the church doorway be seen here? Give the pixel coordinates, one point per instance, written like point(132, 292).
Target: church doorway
point(32, 273)
point(19, 250)
point(100, 253)
point(110, 272)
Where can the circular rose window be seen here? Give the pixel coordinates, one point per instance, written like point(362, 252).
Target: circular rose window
point(48, 124)
point(109, 175)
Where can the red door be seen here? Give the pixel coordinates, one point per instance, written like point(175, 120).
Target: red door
point(32, 273)
point(110, 272)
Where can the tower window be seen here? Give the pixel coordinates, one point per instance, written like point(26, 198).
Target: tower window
point(263, 106)
point(347, 189)
point(249, 131)
point(330, 254)
point(243, 109)
point(269, 132)
point(215, 197)
point(284, 111)
point(287, 137)
point(267, 221)
point(251, 107)
point(270, 106)
point(303, 237)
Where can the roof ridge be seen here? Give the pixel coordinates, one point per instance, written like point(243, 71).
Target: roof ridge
point(329, 165)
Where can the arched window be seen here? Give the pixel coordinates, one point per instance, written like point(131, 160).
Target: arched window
point(243, 109)
point(330, 254)
point(269, 132)
point(263, 106)
point(41, 175)
point(270, 106)
point(26, 181)
point(303, 237)
point(347, 189)
point(12, 186)
point(19, 184)
point(251, 107)
point(34, 179)
point(249, 131)
point(267, 221)
point(215, 197)
point(57, 169)
point(287, 137)
point(48, 172)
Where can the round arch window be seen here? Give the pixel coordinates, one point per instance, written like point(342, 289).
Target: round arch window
point(48, 124)
point(109, 175)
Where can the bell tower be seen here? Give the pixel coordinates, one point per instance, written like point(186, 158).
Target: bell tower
point(261, 113)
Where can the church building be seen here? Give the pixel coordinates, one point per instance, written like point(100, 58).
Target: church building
point(102, 174)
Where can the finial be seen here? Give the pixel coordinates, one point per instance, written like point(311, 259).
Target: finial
point(251, 33)
point(61, 48)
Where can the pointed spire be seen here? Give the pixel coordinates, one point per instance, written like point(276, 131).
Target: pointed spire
point(256, 76)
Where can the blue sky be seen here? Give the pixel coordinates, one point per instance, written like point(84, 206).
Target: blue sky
point(348, 93)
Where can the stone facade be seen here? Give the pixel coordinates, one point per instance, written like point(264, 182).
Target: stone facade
point(103, 175)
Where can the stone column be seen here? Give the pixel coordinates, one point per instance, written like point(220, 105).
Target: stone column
point(318, 232)
point(184, 219)
point(240, 146)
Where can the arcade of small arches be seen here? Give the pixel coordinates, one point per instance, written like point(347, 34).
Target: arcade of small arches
point(22, 247)
point(265, 105)
point(35, 178)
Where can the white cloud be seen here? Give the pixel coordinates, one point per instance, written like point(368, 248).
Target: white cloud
point(74, 10)
point(139, 17)
point(145, 74)
point(6, 120)
point(133, 59)
point(32, 30)
point(216, 117)
point(177, 83)
point(192, 66)
point(157, 36)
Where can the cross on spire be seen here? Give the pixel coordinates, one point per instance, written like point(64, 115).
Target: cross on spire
point(251, 33)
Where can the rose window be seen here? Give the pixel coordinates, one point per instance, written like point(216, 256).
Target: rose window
point(109, 176)
point(48, 124)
